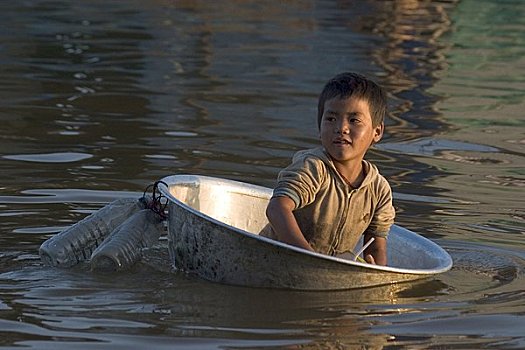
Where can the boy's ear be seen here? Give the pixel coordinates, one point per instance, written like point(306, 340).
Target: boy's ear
point(378, 132)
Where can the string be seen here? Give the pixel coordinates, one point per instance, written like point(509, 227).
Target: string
point(158, 202)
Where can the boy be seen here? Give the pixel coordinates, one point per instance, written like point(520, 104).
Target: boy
point(329, 196)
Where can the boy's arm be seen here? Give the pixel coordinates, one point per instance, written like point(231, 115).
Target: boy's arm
point(280, 215)
point(376, 252)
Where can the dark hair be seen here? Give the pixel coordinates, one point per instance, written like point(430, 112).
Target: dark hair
point(347, 85)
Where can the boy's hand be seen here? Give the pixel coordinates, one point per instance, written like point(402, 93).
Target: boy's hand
point(280, 215)
point(370, 259)
point(376, 252)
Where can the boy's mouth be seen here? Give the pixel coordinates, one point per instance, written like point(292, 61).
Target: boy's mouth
point(342, 142)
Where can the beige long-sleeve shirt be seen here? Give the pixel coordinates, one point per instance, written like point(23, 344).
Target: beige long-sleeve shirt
point(331, 214)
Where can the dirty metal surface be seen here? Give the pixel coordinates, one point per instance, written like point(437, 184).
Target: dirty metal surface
point(213, 227)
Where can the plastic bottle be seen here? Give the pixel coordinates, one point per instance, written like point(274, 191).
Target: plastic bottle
point(122, 248)
point(76, 243)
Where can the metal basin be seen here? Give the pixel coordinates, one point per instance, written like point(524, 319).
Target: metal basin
point(213, 227)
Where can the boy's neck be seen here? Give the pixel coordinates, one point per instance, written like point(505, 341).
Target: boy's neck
point(353, 174)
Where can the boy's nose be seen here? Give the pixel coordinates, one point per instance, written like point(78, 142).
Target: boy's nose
point(343, 127)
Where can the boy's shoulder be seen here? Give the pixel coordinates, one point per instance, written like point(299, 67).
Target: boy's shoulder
point(317, 153)
point(374, 177)
point(313, 162)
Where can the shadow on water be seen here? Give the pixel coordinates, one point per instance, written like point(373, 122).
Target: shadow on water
point(174, 305)
point(76, 306)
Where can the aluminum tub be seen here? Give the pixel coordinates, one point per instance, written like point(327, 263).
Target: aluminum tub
point(213, 227)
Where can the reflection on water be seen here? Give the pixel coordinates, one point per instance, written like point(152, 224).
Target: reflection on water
point(100, 99)
point(484, 99)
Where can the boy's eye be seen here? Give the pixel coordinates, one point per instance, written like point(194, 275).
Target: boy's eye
point(354, 119)
point(329, 117)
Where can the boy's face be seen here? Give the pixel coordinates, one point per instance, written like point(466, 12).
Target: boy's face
point(346, 130)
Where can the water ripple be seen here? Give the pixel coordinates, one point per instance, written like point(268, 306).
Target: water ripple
point(59, 157)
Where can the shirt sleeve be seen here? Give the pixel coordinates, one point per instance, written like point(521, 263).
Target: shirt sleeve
point(384, 213)
point(301, 180)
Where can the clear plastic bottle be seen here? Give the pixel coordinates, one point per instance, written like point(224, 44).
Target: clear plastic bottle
point(76, 243)
point(122, 248)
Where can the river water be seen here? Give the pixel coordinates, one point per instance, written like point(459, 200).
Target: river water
point(100, 99)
